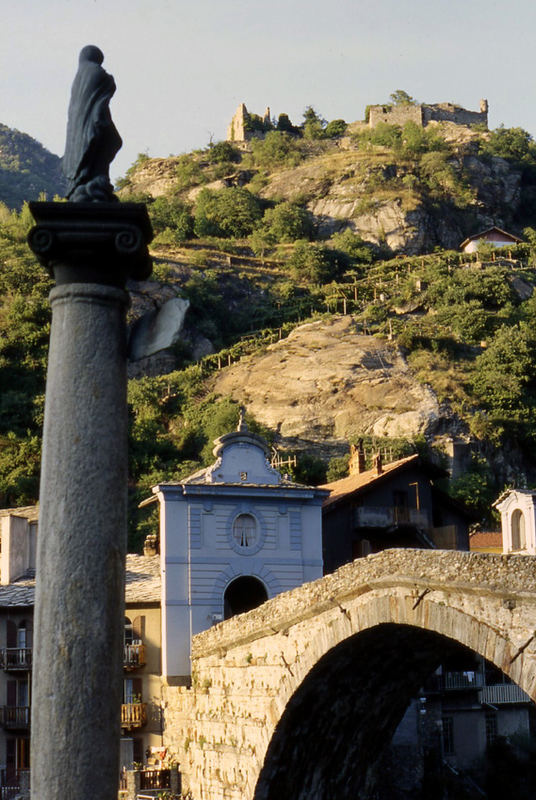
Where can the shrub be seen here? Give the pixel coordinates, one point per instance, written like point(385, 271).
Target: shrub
point(287, 222)
point(313, 263)
point(337, 127)
point(278, 148)
point(226, 212)
point(172, 214)
point(223, 152)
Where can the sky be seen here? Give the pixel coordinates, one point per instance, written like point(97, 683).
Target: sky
point(182, 68)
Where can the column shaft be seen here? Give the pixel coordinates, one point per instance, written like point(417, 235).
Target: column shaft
point(78, 645)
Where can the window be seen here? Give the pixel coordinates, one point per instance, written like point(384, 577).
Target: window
point(518, 530)
point(245, 530)
point(132, 690)
point(448, 735)
point(491, 727)
point(129, 633)
point(22, 637)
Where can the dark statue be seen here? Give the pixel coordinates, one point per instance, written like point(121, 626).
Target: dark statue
point(92, 138)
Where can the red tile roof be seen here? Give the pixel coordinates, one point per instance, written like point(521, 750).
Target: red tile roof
point(353, 483)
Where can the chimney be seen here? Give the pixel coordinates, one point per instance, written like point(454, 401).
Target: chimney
point(356, 464)
point(378, 463)
point(150, 545)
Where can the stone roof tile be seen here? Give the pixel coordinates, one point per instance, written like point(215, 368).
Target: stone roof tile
point(142, 584)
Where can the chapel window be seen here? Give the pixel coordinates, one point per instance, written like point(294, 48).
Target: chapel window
point(245, 530)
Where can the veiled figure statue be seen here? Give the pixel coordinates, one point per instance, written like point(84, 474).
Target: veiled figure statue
point(92, 138)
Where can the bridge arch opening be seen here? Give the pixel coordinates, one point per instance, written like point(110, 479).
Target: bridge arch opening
point(333, 735)
point(243, 594)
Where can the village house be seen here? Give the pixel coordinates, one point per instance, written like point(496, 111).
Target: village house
point(141, 722)
point(494, 236)
point(389, 505)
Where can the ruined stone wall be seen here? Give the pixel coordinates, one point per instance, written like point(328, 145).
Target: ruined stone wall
point(422, 114)
point(245, 670)
point(448, 112)
point(395, 115)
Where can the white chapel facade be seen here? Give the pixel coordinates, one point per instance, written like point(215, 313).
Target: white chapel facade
point(231, 536)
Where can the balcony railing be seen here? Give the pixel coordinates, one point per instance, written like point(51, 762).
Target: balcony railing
point(386, 516)
point(15, 717)
point(133, 715)
point(133, 656)
point(500, 693)
point(154, 779)
point(454, 681)
point(16, 658)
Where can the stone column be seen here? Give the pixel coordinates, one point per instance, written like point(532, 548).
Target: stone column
point(133, 784)
point(78, 646)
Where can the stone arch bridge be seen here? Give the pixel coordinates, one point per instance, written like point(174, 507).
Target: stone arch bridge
point(297, 698)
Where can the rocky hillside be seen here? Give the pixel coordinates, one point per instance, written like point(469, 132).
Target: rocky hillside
point(407, 190)
point(26, 169)
point(327, 383)
point(318, 297)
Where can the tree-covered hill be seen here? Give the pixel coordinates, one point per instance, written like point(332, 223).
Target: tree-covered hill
point(27, 169)
point(251, 237)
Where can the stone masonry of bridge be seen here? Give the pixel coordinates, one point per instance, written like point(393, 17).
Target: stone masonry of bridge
point(336, 661)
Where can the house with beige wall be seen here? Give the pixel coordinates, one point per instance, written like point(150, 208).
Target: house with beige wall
point(141, 723)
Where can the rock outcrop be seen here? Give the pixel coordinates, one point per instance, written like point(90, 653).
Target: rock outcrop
point(326, 382)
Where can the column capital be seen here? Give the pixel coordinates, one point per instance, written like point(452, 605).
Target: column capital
point(103, 243)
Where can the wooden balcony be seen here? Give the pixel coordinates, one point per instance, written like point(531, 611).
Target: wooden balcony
point(503, 693)
point(15, 717)
point(15, 659)
point(133, 656)
point(390, 516)
point(133, 715)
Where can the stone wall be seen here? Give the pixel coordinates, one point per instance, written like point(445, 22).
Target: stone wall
point(375, 625)
point(395, 115)
point(423, 113)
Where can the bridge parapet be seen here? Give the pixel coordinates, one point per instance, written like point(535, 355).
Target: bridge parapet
point(246, 670)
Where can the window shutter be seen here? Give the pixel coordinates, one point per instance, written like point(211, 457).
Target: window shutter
point(11, 634)
point(138, 628)
point(11, 693)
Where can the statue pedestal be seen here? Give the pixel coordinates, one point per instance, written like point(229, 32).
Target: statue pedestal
point(90, 249)
point(92, 242)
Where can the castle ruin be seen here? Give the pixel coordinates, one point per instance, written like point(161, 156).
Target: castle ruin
point(423, 113)
point(240, 128)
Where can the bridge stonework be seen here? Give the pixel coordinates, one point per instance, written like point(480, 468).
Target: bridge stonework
point(261, 702)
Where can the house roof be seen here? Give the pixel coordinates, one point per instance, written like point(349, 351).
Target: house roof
point(486, 541)
point(364, 480)
point(482, 234)
point(30, 513)
point(142, 584)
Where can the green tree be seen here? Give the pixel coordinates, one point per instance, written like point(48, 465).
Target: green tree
point(287, 222)
point(352, 245)
point(505, 373)
point(514, 144)
point(313, 263)
point(387, 135)
point(402, 98)
point(313, 124)
point(223, 152)
point(173, 214)
point(231, 211)
point(278, 148)
point(337, 127)
point(285, 125)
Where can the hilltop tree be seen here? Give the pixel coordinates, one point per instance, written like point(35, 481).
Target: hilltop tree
point(313, 125)
point(402, 98)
